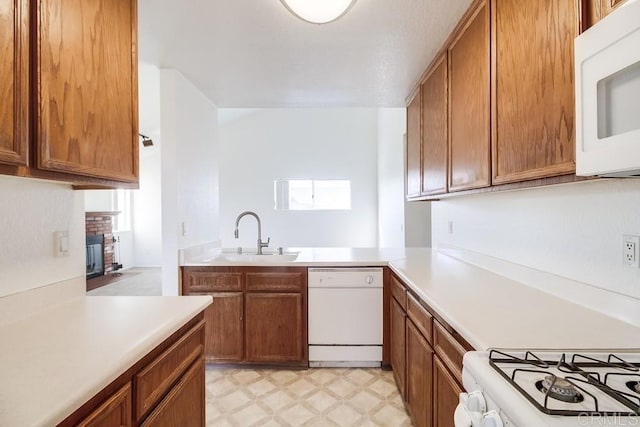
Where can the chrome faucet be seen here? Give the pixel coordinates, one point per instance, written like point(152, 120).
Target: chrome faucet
point(236, 232)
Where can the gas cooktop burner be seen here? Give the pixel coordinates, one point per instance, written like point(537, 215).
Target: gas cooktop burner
point(559, 389)
point(573, 384)
point(634, 386)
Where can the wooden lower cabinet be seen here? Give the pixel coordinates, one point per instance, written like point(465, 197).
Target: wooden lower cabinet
point(224, 337)
point(164, 388)
point(419, 377)
point(426, 358)
point(116, 411)
point(398, 345)
point(258, 315)
point(184, 405)
point(273, 327)
point(446, 394)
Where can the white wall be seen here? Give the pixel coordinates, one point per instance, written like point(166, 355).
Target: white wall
point(574, 231)
point(31, 212)
point(258, 146)
point(147, 200)
point(391, 130)
point(417, 217)
point(189, 171)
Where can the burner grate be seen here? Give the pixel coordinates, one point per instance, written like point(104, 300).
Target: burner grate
point(581, 377)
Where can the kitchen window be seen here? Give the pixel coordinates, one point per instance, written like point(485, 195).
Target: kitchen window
point(307, 195)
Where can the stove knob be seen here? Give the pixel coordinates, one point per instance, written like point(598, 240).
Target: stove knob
point(462, 418)
point(475, 402)
point(492, 419)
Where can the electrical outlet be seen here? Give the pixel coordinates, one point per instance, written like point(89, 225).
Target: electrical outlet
point(630, 248)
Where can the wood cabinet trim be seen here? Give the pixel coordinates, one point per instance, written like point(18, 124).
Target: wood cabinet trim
point(17, 150)
point(441, 372)
point(484, 162)
point(449, 350)
point(398, 345)
point(203, 279)
point(254, 349)
point(399, 292)
point(148, 392)
point(44, 159)
point(440, 64)
point(96, 401)
point(419, 377)
point(554, 126)
point(268, 281)
point(422, 319)
point(413, 172)
point(195, 373)
point(121, 399)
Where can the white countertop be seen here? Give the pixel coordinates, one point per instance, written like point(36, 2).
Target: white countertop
point(55, 360)
point(492, 311)
point(509, 307)
point(312, 257)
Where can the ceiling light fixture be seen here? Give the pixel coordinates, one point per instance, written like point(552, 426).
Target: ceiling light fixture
point(318, 11)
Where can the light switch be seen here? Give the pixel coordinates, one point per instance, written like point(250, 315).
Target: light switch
point(61, 242)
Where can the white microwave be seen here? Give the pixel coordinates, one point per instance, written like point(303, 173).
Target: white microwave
point(607, 68)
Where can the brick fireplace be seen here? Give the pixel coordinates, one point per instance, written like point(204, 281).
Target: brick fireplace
point(101, 224)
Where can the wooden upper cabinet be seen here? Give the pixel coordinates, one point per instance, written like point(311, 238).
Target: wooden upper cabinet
point(434, 129)
point(86, 87)
point(598, 9)
point(414, 143)
point(469, 101)
point(533, 90)
point(14, 81)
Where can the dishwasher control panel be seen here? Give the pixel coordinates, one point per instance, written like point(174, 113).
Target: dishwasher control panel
point(369, 277)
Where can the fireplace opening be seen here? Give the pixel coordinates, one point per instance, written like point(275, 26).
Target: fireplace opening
point(95, 256)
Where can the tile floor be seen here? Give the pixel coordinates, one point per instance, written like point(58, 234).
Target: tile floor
point(314, 397)
point(322, 397)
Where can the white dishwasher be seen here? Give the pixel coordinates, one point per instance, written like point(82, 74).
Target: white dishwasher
point(345, 317)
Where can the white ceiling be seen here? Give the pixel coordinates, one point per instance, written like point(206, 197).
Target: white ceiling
point(254, 53)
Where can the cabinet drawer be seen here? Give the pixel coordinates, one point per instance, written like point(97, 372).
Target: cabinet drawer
point(114, 411)
point(420, 317)
point(184, 405)
point(209, 281)
point(399, 292)
point(152, 382)
point(281, 282)
point(449, 350)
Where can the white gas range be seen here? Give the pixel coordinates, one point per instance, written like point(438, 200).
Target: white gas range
point(550, 388)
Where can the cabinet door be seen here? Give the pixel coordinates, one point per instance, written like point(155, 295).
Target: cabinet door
point(87, 88)
point(533, 94)
point(14, 81)
point(469, 102)
point(398, 341)
point(184, 405)
point(274, 327)
point(419, 377)
point(414, 143)
point(224, 338)
point(446, 392)
point(115, 411)
point(598, 9)
point(434, 129)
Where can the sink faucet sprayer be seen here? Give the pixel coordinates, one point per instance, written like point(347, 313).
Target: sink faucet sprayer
point(236, 232)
